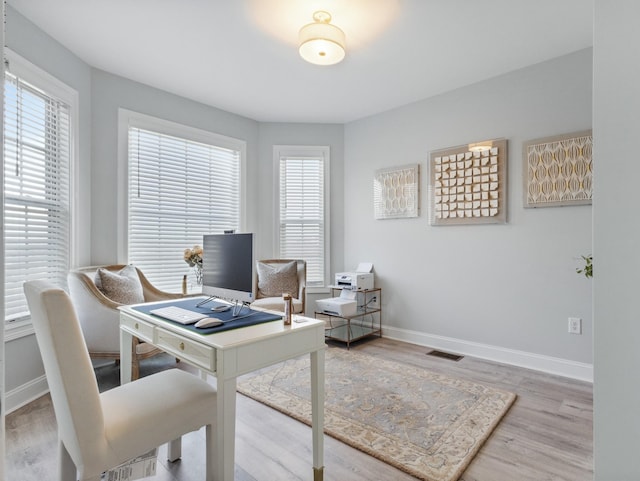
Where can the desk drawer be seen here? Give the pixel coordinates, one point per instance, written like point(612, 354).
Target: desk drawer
point(191, 351)
point(138, 328)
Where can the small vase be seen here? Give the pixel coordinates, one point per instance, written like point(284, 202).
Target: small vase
point(198, 272)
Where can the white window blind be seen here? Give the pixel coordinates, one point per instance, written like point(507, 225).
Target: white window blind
point(37, 153)
point(179, 190)
point(302, 213)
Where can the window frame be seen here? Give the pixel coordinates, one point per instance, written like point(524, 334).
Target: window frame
point(129, 118)
point(322, 152)
point(55, 88)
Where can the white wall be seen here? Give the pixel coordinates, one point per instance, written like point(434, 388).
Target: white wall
point(616, 113)
point(501, 291)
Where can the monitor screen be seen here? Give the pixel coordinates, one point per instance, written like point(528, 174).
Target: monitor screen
point(228, 267)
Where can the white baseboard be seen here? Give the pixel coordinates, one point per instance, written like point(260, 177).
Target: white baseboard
point(552, 365)
point(22, 395)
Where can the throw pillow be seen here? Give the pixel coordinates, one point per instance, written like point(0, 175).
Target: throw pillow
point(275, 279)
point(123, 287)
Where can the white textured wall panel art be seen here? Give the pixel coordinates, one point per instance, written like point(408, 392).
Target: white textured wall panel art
point(559, 170)
point(396, 192)
point(468, 187)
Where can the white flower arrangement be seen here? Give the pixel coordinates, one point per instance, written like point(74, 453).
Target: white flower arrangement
point(193, 257)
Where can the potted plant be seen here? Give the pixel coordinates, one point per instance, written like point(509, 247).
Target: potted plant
point(587, 270)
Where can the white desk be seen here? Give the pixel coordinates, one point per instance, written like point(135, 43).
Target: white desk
point(228, 355)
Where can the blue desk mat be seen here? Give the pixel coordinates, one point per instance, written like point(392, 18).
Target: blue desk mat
point(247, 317)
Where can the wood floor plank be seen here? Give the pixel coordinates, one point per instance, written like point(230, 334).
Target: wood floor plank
point(547, 434)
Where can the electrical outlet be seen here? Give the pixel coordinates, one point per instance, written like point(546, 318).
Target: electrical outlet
point(374, 302)
point(575, 325)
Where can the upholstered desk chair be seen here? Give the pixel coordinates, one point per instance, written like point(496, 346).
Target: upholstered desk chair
point(97, 432)
point(99, 315)
point(277, 276)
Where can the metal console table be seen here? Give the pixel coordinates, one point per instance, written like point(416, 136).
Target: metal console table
point(366, 322)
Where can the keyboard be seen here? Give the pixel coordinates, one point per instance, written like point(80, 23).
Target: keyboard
point(178, 314)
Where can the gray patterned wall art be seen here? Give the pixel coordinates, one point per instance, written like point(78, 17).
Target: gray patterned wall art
point(396, 192)
point(468, 186)
point(558, 170)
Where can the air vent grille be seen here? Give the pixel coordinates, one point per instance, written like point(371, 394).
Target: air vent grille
point(445, 355)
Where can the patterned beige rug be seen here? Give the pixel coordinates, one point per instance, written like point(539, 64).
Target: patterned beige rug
point(428, 425)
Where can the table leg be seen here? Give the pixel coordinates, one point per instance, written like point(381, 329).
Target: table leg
point(126, 340)
point(225, 430)
point(317, 413)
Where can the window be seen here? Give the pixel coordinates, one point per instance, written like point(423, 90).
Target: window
point(303, 208)
point(39, 113)
point(182, 183)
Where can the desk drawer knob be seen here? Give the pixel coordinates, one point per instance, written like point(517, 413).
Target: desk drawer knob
point(182, 346)
point(136, 326)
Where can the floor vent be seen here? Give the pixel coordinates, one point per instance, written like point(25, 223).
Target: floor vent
point(445, 355)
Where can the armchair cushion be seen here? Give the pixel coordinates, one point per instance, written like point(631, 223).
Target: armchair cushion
point(275, 279)
point(123, 287)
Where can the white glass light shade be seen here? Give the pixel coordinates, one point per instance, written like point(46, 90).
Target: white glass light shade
point(320, 42)
point(480, 146)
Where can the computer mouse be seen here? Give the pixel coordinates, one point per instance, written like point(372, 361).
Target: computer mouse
point(221, 308)
point(209, 322)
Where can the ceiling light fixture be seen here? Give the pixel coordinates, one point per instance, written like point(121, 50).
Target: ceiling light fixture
point(481, 146)
point(320, 42)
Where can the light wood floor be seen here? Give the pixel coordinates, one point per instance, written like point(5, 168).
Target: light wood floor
point(547, 434)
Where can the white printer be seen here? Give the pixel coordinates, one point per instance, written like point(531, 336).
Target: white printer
point(344, 306)
point(347, 304)
point(361, 279)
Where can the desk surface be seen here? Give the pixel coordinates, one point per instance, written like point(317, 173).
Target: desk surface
point(231, 338)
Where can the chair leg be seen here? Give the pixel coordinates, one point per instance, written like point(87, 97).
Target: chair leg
point(135, 362)
point(135, 368)
point(211, 460)
point(66, 469)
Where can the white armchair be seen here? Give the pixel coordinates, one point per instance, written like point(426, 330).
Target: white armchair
point(277, 276)
point(99, 316)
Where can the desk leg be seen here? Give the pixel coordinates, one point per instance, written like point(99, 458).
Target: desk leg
point(226, 430)
point(317, 413)
point(126, 341)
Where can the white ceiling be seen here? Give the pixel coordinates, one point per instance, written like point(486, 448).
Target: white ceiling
point(241, 55)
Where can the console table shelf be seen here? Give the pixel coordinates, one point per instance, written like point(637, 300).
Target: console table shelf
point(366, 322)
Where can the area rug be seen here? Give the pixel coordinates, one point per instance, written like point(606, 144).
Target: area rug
point(426, 424)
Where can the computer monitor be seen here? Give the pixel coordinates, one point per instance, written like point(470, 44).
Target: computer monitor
point(228, 267)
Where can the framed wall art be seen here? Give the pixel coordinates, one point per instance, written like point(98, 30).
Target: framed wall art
point(396, 192)
point(467, 184)
point(558, 171)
